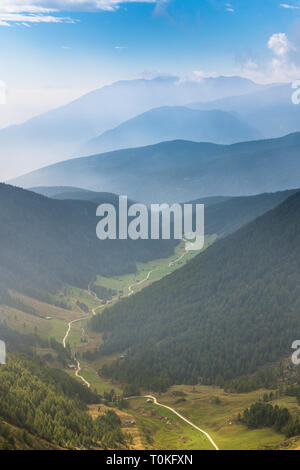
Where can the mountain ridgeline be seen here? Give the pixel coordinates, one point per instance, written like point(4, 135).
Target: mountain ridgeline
point(229, 311)
point(171, 123)
point(47, 242)
point(77, 194)
point(60, 133)
point(264, 113)
point(270, 110)
point(179, 170)
point(223, 215)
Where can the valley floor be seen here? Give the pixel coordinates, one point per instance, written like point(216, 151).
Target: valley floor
point(148, 425)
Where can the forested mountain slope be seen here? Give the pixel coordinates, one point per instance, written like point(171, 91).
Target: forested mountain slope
point(223, 214)
point(49, 404)
point(227, 216)
point(46, 242)
point(181, 170)
point(230, 310)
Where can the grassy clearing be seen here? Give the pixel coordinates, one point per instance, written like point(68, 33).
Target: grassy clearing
point(70, 295)
point(26, 323)
point(75, 335)
point(47, 310)
point(101, 384)
point(159, 269)
point(57, 329)
point(219, 419)
point(97, 383)
point(163, 430)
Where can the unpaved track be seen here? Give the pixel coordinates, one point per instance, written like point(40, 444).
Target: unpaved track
point(69, 328)
point(140, 282)
point(64, 342)
point(181, 417)
point(80, 376)
point(155, 401)
point(64, 345)
point(131, 291)
point(176, 260)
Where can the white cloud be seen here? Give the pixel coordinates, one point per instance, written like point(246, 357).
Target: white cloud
point(6, 19)
point(229, 7)
point(48, 11)
point(290, 7)
point(283, 66)
point(279, 44)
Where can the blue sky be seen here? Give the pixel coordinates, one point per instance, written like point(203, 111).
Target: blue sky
point(82, 44)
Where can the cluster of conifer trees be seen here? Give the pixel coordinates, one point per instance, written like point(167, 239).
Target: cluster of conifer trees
point(53, 406)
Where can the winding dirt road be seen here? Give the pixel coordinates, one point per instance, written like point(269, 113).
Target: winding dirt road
point(64, 345)
point(80, 376)
point(140, 282)
point(184, 419)
point(64, 342)
point(131, 291)
point(176, 260)
point(155, 401)
point(69, 329)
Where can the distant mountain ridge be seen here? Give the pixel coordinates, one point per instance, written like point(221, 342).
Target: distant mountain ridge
point(270, 110)
point(223, 215)
point(59, 133)
point(77, 194)
point(171, 123)
point(181, 170)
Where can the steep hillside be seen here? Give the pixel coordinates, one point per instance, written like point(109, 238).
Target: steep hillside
point(228, 216)
point(171, 123)
point(181, 170)
point(47, 242)
point(230, 310)
point(52, 406)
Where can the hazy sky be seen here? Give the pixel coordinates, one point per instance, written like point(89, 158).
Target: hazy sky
point(54, 50)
